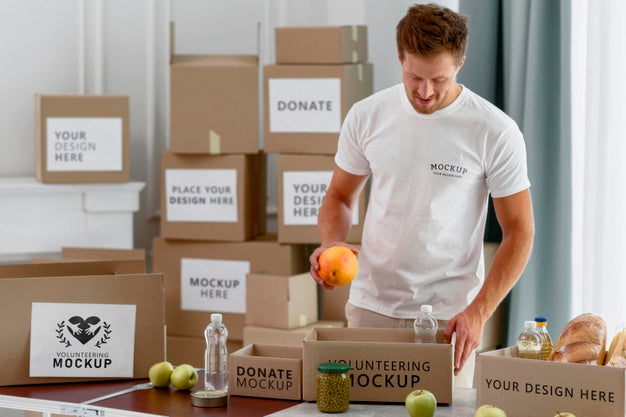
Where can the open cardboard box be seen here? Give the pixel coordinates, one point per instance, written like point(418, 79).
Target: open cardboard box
point(385, 364)
point(530, 387)
point(285, 337)
point(91, 283)
point(267, 371)
point(95, 254)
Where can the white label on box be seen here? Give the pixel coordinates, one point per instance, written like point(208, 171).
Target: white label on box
point(82, 340)
point(84, 144)
point(213, 285)
point(305, 105)
point(201, 195)
point(303, 192)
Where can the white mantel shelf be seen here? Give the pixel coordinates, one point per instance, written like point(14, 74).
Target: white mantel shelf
point(38, 218)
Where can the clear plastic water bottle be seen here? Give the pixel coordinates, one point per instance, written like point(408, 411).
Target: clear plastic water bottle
point(216, 355)
point(529, 341)
point(546, 341)
point(425, 325)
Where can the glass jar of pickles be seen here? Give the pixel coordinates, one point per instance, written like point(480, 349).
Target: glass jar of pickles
point(333, 387)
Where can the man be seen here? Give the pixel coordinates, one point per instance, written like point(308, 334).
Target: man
point(434, 151)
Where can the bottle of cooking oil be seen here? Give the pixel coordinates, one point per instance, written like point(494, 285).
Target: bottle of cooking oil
point(529, 341)
point(546, 341)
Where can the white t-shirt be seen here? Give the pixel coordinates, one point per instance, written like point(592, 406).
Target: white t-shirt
point(431, 176)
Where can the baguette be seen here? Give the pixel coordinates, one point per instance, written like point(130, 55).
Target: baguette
point(583, 340)
point(617, 352)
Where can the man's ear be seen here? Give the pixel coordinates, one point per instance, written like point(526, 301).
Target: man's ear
point(461, 64)
point(400, 56)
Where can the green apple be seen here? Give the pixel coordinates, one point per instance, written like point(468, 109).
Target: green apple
point(489, 410)
point(421, 403)
point(564, 414)
point(159, 374)
point(184, 377)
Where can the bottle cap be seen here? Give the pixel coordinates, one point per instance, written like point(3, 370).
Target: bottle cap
point(333, 367)
point(216, 317)
point(530, 324)
point(209, 398)
point(426, 308)
point(541, 319)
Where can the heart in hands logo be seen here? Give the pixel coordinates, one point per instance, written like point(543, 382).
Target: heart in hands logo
point(83, 330)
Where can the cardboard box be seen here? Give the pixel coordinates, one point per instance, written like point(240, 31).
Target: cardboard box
point(206, 197)
point(333, 302)
point(60, 267)
point(214, 104)
point(103, 254)
point(305, 105)
point(282, 337)
point(266, 371)
point(293, 300)
point(82, 138)
point(321, 44)
point(208, 277)
point(92, 254)
point(385, 364)
point(527, 387)
point(79, 285)
point(302, 184)
point(187, 349)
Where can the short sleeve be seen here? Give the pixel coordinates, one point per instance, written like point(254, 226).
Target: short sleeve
point(506, 168)
point(350, 155)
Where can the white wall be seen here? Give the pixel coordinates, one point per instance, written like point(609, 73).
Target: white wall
point(122, 47)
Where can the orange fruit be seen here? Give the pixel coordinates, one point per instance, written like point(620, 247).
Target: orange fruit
point(338, 265)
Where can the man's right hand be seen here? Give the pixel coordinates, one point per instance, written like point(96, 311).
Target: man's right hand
point(315, 256)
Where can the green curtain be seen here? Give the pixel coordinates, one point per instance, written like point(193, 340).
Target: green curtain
point(519, 58)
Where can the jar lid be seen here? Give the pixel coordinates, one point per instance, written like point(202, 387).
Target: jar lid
point(333, 367)
point(206, 398)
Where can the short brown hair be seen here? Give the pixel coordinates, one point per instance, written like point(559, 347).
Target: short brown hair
point(429, 29)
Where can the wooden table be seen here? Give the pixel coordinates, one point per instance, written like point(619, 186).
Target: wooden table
point(156, 401)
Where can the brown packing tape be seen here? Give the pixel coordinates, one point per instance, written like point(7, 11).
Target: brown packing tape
point(214, 142)
point(355, 33)
point(355, 56)
point(359, 70)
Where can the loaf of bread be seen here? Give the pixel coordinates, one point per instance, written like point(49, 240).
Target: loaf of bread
point(617, 352)
point(583, 340)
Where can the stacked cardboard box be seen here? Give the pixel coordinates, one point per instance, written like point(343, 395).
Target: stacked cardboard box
point(320, 72)
point(213, 202)
point(82, 138)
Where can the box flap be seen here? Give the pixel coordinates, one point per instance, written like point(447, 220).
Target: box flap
point(277, 351)
point(102, 254)
point(215, 61)
point(263, 290)
point(303, 306)
point(72, 268)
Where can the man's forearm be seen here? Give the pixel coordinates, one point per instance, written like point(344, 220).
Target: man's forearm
point(506, 268)
point(334, 220)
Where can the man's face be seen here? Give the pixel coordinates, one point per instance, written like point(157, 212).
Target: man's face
point(429, 81)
